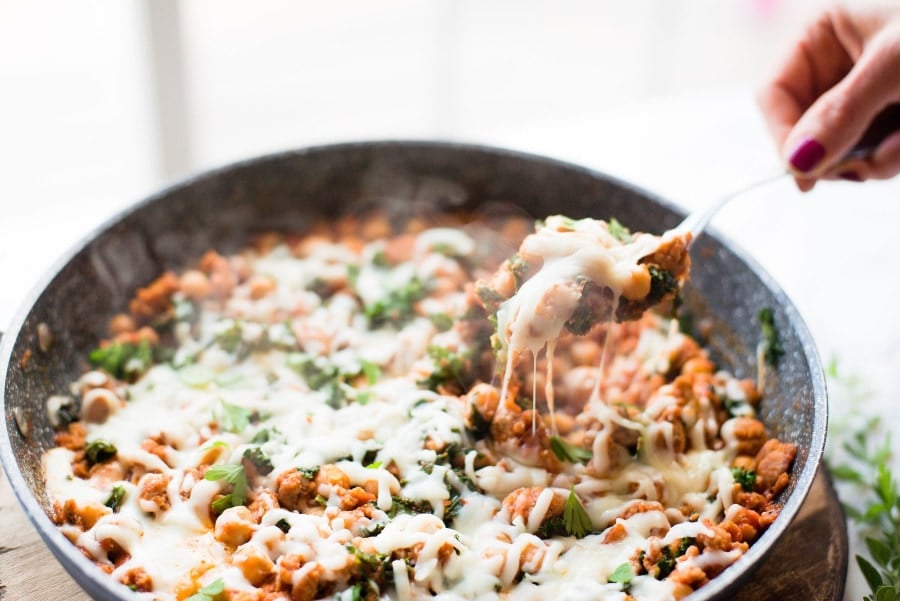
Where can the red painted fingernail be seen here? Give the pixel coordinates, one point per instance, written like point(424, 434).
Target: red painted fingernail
point(850, 176)
point(807, 155)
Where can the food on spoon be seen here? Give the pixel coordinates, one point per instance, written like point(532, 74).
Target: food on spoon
point(320, 417)
point(574, 274)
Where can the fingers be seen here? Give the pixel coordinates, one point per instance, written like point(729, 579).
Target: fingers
point(884, 163)
point(818, 61)
point(830, 128)
point(840, 74)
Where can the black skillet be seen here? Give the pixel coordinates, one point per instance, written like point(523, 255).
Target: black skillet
point(219, 209)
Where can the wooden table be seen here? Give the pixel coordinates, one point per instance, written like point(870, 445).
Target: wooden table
point(810, 564)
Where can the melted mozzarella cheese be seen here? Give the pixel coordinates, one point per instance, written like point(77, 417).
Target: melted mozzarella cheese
point(387, 438)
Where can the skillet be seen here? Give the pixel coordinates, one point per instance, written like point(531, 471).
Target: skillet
point(221, 209)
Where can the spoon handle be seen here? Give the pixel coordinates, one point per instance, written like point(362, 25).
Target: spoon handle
point(883, 125)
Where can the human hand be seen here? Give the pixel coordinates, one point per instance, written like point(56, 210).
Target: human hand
point(842, 72)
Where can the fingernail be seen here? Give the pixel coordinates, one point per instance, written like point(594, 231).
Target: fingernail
point(807, 155)
point(850, 176)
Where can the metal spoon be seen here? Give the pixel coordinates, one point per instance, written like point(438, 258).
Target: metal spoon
point(885, 123)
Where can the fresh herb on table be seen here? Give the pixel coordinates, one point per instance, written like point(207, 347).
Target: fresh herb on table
point(876, 510)
point(210, 592)
point(866, 468)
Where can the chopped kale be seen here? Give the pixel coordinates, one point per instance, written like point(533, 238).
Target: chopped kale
point(373, 530)
point(519, 268)
point(283, 525)
point(66, 413)
point(262, 436)
point(404, 505)
point(476, 423)
point(99, 450)
point(662, 283)
point(397, 308)
point(771, 340)
point(441, 321)
point(124, 360)
point(746, 478)
point(449, 368)
point(665, 565)
point(260, 461)
point(587, 311)
point(309, 473)
point(115, 498)
point(490, 297)
point(232, 339)
point(320, 375)
point(452, 508)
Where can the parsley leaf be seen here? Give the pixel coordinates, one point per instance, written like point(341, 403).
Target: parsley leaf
point(569, 452)
point(623, 574)
point(371, 371)
point(618, 231)
point(234, 475)
point(575, 519)
point(210, 592)
point(233, 418)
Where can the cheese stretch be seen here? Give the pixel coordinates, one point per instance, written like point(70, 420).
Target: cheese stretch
point(321, 417)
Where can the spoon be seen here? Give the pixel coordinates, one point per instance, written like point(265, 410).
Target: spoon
point(885, 123)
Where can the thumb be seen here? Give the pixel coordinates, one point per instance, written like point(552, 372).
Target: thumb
point(836, 121)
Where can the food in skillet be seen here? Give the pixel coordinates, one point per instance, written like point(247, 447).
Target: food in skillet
point(323, 417)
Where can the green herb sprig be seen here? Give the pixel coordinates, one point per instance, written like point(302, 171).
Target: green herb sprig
point(210, 592)
point(575, 518)
point(569, 452)
point(875, 509)
point(234, 475)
